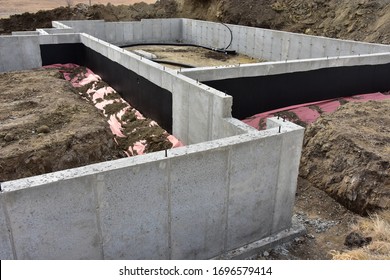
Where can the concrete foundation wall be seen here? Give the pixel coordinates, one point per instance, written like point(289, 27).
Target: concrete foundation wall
point(19, 53)
point(282, 67)
point(145, 31)
point(255, 42)
point(199, 202)
point(270, 44)
point(198, 110)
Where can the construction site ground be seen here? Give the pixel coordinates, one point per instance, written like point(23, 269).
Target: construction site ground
point(328, 221)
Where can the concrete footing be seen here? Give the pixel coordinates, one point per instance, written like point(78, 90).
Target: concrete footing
point(253, 249)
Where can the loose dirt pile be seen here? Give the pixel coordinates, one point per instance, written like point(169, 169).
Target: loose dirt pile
point(133, 133)
point(109, 12)
point(43, 126)
point(48, 125)
point(347, 154)
point(11, 7)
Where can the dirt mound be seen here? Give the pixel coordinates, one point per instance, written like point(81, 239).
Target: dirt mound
point(109, 12)
point(43, 126)
point(347, 154)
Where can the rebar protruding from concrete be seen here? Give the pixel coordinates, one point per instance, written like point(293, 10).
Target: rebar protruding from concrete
point(166, 153)
point(280, 128)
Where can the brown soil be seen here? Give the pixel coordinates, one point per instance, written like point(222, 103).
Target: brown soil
point(194, 56)
point(351, 144)
point(347, 154)
point(43, 126)
point(42, 19)
point(11, 7)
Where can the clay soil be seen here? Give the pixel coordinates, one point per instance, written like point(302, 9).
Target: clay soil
point(194, 56)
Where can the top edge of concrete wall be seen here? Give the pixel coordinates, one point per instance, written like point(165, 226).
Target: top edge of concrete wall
point(231, 25)
point(281, 67)
point(250, 135)
point(286, 32)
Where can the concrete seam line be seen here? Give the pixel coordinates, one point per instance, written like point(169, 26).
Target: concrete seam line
point(228, 174)
point(169, 168)
point(210, 123)
point(277, 183)
point(99, 187)
point(9, 227)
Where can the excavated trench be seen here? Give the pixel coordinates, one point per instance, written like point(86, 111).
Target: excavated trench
point(44, 125)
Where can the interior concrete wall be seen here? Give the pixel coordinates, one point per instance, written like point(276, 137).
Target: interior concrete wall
point(255, 42)
point(198, 110)
point(272, 45)
point(145, 31)
point(19, 53)
point(199, 202)
point(282, 67)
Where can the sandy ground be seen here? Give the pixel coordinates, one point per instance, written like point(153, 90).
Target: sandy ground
point(9, 7)
point(194, 56)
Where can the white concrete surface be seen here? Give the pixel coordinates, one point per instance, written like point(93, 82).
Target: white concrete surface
point(273, 45)
point(145, 31)
point(282, 67)
point(19, 53)
point(185, 206)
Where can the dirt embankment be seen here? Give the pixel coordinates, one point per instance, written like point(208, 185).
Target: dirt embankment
point(347, 154)
point(43, 126)
point(42, 19)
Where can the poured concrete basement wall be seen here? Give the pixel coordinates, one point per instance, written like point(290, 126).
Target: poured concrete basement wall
point(167, 31)
point(270, 44)
point(19, 53)
point(261, 43)
point(199, 202)
point(197, 110)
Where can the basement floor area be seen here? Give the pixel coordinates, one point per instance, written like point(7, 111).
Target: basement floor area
point(192, 56)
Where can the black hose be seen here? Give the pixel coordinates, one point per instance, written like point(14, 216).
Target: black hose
point(223, 50)
point(231, 35)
